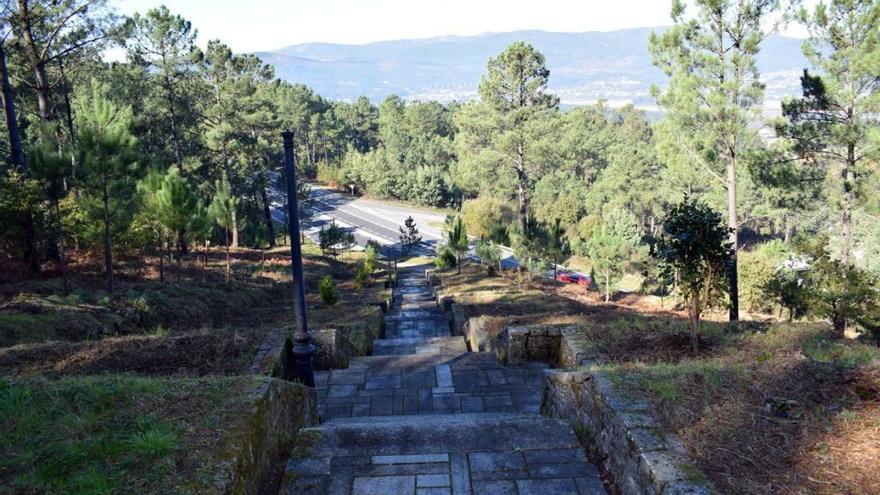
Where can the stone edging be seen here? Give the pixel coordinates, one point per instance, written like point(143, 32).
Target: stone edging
point(621, 431)
point(613, 426)
point(263, 436)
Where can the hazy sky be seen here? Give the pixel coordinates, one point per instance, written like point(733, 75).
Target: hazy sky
point(255, 25)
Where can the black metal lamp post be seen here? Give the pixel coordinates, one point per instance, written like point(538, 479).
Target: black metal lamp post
point(303, 349)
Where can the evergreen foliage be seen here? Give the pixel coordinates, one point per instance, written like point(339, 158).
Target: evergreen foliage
point(694, 253)
point(327, 290)
point(409, 234)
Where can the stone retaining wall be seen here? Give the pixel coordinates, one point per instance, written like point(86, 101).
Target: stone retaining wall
point(557, 345)
point(332, 348)
point(621, 431)
point(614, 427)
point(262, 439)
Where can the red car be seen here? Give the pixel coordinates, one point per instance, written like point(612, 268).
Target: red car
point(574, 278)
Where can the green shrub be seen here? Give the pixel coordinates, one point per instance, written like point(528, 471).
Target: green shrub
point(787, 287)
point(362, 276)
point(327, 290)
point(490, 255)
point(756, 269)
point(487, 217)
point(371, 260)
point(445, 260)
point(846, 295)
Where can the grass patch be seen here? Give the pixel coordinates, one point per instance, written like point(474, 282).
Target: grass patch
point(110, 434)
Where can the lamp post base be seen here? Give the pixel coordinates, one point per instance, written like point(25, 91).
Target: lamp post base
point(302, 356)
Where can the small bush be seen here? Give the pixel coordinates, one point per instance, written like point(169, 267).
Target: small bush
point(372, 256)
point(362, 276)
point(756, 269)
point(327, 290)
point(490, 255)
point(488, 217)
point(445, 260)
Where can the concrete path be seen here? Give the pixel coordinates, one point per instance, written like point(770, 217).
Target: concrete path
point(423, 416)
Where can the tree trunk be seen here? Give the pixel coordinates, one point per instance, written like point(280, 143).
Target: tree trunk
point(172, 114)
point(733, 223)
point(839, 322)
point(18, 161)
point(108, 255)
point(226, 238)
point(68, 109)
point(848, 198)
point(62, 257)
point(37, 64)
point(15, 147)
point(179, 263)
point(234, 214)
point(162, 262)
point(607, 286)
point(522, 185)
point(267, 213)
point(694, 322)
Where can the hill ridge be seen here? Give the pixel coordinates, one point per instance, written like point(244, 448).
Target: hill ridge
point(584, 66)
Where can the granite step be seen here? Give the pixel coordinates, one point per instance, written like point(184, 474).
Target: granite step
point(429, 383)
point(443, 454)
point(419, 345)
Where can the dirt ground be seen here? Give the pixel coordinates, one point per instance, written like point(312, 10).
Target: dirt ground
point(208, 352)
point(768, 408)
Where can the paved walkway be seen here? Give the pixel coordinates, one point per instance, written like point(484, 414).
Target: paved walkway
point(423, 416)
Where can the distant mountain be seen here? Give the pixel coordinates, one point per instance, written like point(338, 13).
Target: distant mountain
point(583, 67)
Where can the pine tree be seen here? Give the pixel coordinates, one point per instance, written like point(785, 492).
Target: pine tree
point(457, 239)
point(409, 234)
point(832, 122)
point(557, 245)
point(530, 244)
point(52, 168)
point(715, 92)
point(165, 42)
point(221, 210)
point(108, 157)
point(514, 89)
point(175, 207)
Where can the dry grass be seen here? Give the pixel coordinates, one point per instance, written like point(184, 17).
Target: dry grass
point(206, 352)
point(770, 408)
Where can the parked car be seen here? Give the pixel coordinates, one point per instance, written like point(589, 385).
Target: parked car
point(574, 278)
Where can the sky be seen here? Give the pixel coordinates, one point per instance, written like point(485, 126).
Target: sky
point(258, 25)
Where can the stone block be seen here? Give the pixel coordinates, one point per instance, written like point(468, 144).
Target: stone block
point(383, 485)
point(496, 461)
point(331, 348)
point(409, 459)
point(432, 480)
point(543, 487)
point(495, 487)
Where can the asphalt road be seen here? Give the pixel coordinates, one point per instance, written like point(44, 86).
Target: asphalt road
point(379, 221)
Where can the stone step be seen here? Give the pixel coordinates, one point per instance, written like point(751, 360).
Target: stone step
point(419, 345)
point(451, 454)
point(429, 383)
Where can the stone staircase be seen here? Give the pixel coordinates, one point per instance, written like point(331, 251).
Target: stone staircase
point(423, 416)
